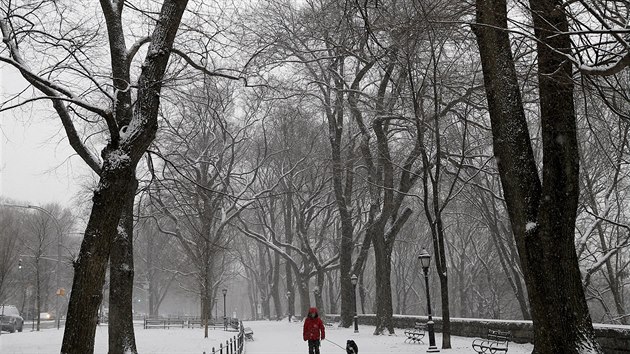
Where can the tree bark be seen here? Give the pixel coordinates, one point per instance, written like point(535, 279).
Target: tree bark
point(89, 269)
point(304, 296)
point(287, 206)
point(331, 293)
point(275, 288)
point(343, 186)
point(542, 216)
point(121, 275)
point(383, 269)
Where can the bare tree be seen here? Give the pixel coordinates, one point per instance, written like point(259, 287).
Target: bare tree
point(10, 233)
point(542, 213)
point(130, 124)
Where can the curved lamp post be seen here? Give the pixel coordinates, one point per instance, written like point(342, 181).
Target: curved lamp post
point(224, 291)
point(354, 280)
point(425, 261)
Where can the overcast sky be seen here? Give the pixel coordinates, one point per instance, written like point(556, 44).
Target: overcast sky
point(36, 166)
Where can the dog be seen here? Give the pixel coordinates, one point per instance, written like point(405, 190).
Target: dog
point(351, 347)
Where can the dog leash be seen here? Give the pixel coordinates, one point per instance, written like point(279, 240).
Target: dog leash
point(328, 340)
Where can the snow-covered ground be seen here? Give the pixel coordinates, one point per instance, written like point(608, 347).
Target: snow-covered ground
point(270, 337)
point(148, 341)
point(284, 337)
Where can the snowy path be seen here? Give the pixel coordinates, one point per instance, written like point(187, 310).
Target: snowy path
point(270, 337)
point(284, 338)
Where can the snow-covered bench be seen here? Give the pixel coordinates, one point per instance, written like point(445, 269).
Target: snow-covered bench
point(197, 322)
point(415, 334)
point(163, 323)
point(248, 333)
point(496, 342)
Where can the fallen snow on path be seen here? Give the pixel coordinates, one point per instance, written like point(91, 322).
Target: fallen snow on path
point(284, 337)
point(270, 337)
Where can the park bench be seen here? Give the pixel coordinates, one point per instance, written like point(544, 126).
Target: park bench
point(248, 333)
point(197, 322)
point(416, 334)
point(164, 323)
point(496, 342)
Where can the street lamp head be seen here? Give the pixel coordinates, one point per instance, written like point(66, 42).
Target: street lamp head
point(224, 291)
point(425, 259)
point(354, 279)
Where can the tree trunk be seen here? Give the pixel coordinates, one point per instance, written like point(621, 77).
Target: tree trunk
point(347, 295)
point(305, 301)
point(89, 269)
point(206, 308)
point(331, 294)
point(383, 269)
point(121, 274)
point(288, 237)
point(343, 186)
point(275, 288)
point(319, 294)
point(38, 293)
point(290, 293)
point(362, 293)
point(441, 266)
point(542, 217)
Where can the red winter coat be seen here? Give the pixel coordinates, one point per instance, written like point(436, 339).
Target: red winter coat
point(313, 326)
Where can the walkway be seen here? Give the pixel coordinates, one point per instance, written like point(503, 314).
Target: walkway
point(272, 337)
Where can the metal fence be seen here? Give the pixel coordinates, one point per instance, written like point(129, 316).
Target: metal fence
point(234, 345)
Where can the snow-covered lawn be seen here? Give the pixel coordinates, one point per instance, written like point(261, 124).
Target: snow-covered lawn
point(148, 341)
point(270, 337)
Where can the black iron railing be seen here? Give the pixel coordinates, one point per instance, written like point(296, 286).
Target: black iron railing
point(232, 346)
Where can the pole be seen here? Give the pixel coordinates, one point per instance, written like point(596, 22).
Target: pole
point(289, 305)
point(32, 314)
point(224, 314)
point(430, 324)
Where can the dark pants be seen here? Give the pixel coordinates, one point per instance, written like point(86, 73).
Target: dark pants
point(313, 346)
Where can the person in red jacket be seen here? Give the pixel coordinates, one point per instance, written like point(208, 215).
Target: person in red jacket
point(313, 331)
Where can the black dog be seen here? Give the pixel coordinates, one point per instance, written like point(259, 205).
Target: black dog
point(351, 347)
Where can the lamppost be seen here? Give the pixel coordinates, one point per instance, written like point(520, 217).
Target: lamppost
point(425, 261)
point(354, 280)
point(22, 283)
point(224, 314)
